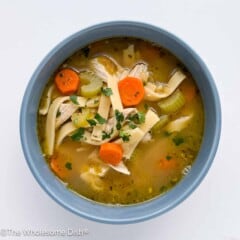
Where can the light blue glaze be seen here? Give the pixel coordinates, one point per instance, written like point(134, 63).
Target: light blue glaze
point(82, 206)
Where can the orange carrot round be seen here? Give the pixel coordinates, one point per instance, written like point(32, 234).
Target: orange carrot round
point(67, 81)
point(189, 90)
point(55, 166)
point(111, 153)
point(131, 91)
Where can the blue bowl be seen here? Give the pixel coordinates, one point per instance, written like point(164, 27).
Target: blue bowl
point(93, 210)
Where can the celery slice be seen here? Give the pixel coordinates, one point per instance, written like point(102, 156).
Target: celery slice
point(92, 84)
point(163, 120)
point(173, 103)
point(80, 119)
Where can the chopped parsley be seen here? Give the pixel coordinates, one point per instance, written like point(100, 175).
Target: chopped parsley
point(125, 136)
point(166, 133)
point(141, 117)
point(168, 157)
point(132, 125)
point(78, 135)
point(107, 91)
point(100, 119)
point(92, 122)
point(68, 165)
point(137, 118)
point(178, 140)
point(120, 118)
point(146, 107)
point(118, 126)
point(106, 135)
point(73, 98)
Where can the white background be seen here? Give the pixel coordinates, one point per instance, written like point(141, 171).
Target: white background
point(30, 29)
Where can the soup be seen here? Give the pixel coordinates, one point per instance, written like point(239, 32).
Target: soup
point(121, 121)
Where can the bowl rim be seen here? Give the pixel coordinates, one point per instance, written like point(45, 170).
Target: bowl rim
point(175, 202)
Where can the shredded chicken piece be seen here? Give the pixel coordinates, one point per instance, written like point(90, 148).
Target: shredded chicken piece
point(178, 124)
point(147, 138)
point(65, 111)
point(140, 70)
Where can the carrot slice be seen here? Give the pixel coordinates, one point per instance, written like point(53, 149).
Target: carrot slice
point(189, 90)
point(111, 153)
point(56, 168)
point(131, 91)
point(67, 81)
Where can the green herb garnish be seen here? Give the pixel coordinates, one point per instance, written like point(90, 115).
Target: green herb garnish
point(178, 140)
point(92, 122)
point(137, 118)
point(100, 119)
point(118, 126)
point(167, 134)
point(78, 135)
point(141, 117)
point(125, 136)
point(120, 118)
point(132, 125)
point(106, 135)
point(146, 107)
point(68, 165)
point(73, 98)
point(107, 91)
point(168, 157)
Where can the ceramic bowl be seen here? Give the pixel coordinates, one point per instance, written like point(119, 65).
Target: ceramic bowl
point(93, 210)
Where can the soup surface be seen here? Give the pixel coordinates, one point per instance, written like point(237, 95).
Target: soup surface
point(121, 121)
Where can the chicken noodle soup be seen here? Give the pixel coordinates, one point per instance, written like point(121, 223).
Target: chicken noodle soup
point(121, 121)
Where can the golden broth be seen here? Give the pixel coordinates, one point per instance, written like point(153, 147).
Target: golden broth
point(156, 166)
